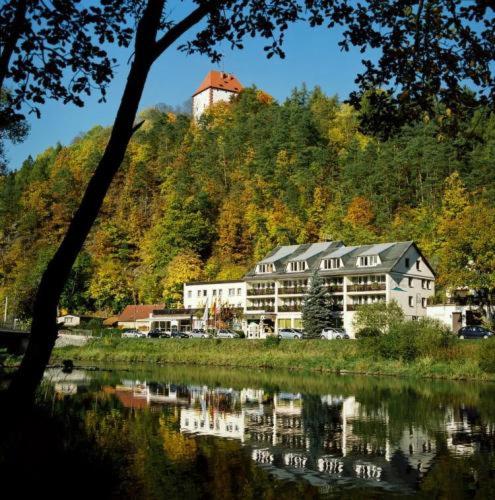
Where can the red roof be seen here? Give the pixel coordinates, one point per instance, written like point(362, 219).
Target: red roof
point(143, 311)
point(220, 80)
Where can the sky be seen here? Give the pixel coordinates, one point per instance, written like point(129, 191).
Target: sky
point(312, 57)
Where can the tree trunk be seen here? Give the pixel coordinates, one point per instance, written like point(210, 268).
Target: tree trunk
point(44, 328)
point(13, 36)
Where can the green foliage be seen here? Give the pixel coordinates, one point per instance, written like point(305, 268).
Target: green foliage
point(368, 332)
point(487, 356)
point(379, 316)
point(271, 341)
point(409, 340)
point(316, 311)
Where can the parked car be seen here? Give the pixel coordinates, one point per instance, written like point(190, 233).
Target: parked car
point(334, 333)
point(223, 333)
point(179, 335)
point(199, 334)
point(155, 333)
point(289, 333)
point(133, 334)
point(474, 332)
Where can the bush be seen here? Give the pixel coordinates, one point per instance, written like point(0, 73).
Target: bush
point(409, 340)
point(368, 332)
point(486, 359)
point(378, 316)
point(241, 334)
point(272, 341)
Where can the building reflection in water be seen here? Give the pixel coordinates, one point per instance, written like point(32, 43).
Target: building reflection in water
point(326, 437)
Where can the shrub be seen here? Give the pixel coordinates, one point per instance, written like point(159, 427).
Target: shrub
point(411, 339)
point(486, 359)
point(368, 332)
point(399, 342)
point(378, 316)
point(272, 341)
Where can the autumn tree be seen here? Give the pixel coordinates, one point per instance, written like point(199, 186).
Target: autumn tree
point(185, 266)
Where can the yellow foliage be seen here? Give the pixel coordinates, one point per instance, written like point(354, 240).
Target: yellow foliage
point(344, 129)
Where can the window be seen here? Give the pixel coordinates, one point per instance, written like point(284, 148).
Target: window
point(428, 284)
point(264, 268)
point(418, 265)
point(214, 293)
point(199, 293)
point(204, 293)
point(299, 265)
point(189, 294)
point(407, 262)
point(368, 261)
point(411, 301)
point(423, 302)
point(331, 263)
point(220, 292)
point(231, 292)
point(239, 291)
point(424, 284)
point(411, 282)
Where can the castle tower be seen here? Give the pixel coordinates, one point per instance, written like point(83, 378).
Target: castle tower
point(217, 86)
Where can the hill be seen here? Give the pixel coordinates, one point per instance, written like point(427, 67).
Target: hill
point(205, 200)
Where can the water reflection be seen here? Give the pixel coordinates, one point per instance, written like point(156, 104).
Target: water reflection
point(366, 434)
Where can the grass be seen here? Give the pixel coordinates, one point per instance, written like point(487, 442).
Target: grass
point(459, 361)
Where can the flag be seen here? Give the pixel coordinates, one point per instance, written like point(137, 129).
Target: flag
point(205, 314)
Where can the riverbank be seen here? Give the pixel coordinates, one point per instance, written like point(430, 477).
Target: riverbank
point(458, 362)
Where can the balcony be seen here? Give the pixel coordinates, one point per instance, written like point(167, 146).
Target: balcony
point(372, 287)
point(261, 308)
point(352, 307)
point(260, 292)
point(296, 290)
point(295, 308)
point(334, 288)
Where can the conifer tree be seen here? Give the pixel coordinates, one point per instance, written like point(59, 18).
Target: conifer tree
point(316, 312)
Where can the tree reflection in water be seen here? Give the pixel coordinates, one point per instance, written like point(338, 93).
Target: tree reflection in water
point(195, 433)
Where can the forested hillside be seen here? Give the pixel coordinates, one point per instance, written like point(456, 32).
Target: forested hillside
point(204, 201)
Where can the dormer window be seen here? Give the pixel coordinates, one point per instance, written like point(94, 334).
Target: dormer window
point(331, 263)
point(297, 266)
point(368, 261)
point(264, 268)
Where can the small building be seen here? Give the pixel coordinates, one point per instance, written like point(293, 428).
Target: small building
point(130, 317)
point(217, 86)
point(69, 320)
point(455, 316)
point(76, 320)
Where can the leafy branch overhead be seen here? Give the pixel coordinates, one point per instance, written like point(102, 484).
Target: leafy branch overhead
point(418, 53)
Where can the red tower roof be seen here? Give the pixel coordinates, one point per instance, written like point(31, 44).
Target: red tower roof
point(220, 80)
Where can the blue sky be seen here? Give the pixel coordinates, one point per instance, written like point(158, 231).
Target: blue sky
point(312, 57)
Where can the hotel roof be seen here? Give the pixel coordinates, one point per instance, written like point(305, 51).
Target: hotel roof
point(313, 254)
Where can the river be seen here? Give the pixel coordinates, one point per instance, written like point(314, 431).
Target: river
point(190, 432)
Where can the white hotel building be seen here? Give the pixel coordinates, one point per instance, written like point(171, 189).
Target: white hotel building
point(272, 293)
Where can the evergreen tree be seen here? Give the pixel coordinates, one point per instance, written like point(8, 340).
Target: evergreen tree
point(316, 312)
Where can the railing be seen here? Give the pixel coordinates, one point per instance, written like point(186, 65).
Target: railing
point(260, 291)
point(372, 287)
point(296, 308)
point(352, 307)
point(293, 290)
point(334, 288)
point(261, 308)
